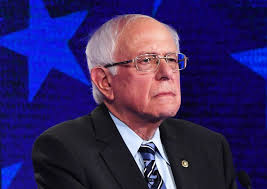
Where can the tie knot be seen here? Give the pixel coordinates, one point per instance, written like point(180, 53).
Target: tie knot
point(148, 151)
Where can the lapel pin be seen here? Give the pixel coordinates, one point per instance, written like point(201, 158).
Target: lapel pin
point(185, 163)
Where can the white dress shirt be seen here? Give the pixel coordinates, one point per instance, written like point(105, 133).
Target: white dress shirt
point(133, 142)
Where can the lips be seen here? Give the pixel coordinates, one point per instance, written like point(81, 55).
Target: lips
point(164, 94)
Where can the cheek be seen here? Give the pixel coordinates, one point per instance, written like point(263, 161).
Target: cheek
point(140, 90)
point(132, 88)
point(168, 101)
point(177, 85)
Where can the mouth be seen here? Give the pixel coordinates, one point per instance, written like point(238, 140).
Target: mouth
point(162, 94)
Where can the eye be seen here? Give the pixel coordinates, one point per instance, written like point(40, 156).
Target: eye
point(172, 60)
point(146, 59)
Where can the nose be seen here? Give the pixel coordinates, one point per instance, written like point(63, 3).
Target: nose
point(164, 71)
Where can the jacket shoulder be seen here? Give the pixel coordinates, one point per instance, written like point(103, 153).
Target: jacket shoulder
point(78, 126)
point(190, 128)
point(71, 133)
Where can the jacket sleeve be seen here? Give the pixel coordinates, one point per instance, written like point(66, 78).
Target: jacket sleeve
point(229, 172)
point(54, 166)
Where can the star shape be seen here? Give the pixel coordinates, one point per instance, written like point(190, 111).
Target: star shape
point(45, 43)
point(256, 60)
point(8, 174)
point(156, 6)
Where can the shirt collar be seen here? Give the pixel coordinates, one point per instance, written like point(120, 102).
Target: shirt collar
point(157, 141)
point(130, 138)
point(133, 141)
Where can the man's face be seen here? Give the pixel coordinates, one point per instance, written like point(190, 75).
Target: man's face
point(154, 95)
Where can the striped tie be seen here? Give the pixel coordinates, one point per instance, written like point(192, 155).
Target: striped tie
point(151, 172)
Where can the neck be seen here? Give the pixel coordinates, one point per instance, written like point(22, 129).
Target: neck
point(143, 127)
point(146, 132)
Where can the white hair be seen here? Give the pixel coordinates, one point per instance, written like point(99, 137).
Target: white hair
point(101, 46)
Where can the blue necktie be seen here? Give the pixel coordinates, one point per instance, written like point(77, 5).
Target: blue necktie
point(151, 172)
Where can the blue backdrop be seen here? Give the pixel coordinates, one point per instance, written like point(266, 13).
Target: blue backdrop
point(44, 77)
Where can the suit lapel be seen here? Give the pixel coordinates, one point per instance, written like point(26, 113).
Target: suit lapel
point(115, 153)
point(174, 142)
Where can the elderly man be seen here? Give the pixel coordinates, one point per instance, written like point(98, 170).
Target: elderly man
point(129, 141)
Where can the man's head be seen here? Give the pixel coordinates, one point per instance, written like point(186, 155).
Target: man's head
point(127, 91)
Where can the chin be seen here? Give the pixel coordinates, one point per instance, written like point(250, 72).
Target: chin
point(160, 115)
point(160, 111)
point(166, 112)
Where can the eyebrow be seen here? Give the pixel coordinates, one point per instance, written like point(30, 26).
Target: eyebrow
point(146, 52)
point(153, 52)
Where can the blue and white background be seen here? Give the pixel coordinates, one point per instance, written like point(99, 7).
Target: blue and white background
point(44, 78)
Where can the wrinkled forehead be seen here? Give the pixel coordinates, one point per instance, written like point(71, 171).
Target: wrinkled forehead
point(132, 29)
point(145, 32)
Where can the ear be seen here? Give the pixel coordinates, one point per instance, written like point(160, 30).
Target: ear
point(102, 79)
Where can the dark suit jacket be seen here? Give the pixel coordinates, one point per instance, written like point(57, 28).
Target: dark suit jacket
point(88, 152)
